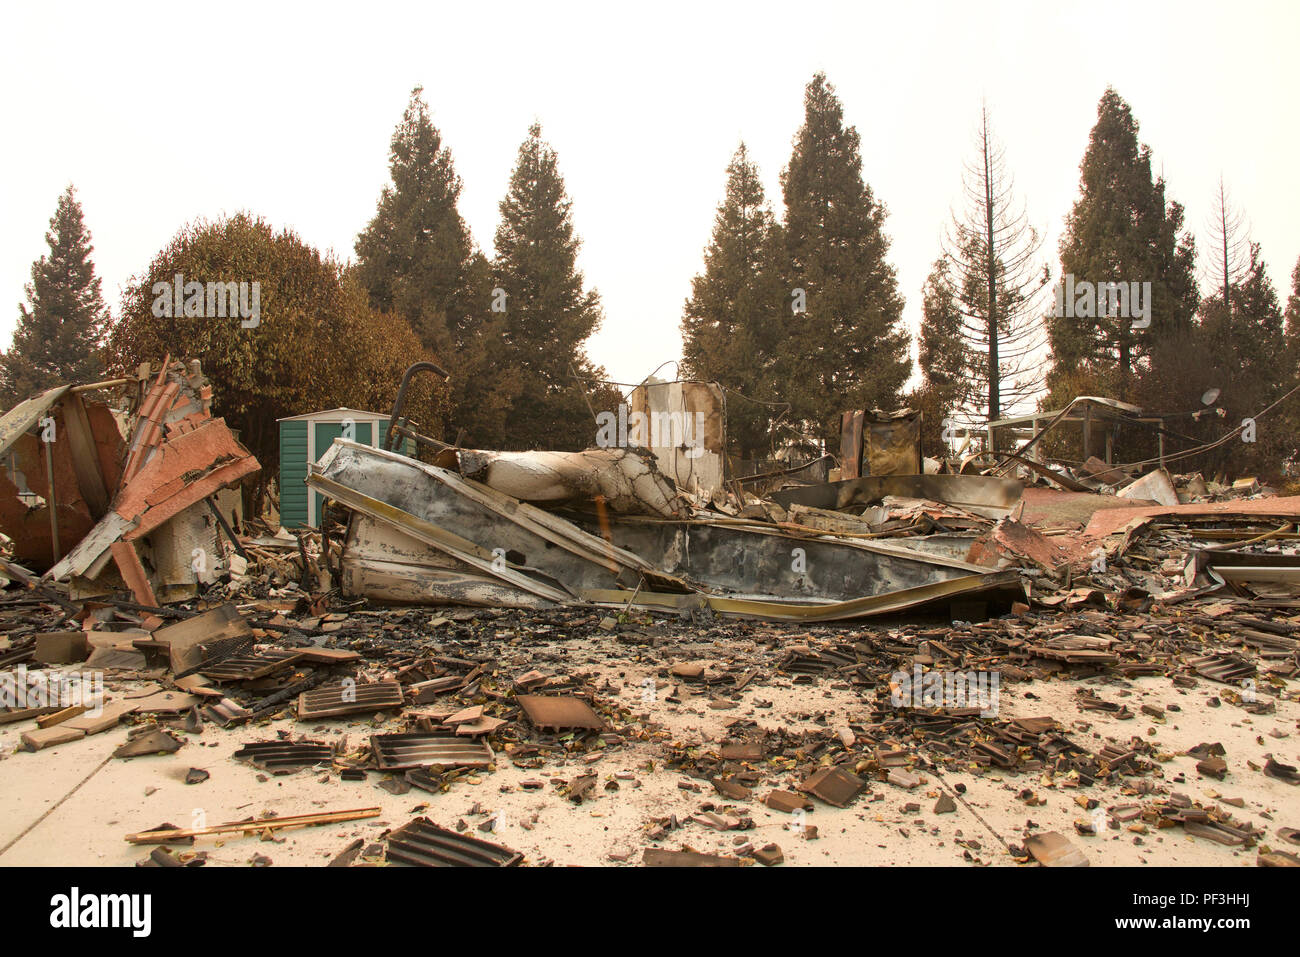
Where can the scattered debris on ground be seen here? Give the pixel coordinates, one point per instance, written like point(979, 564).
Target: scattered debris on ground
point(535, 658)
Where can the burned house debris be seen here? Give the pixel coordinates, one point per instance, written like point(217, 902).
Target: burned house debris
point(150, 494)
point(428, 530)
point(629, 656)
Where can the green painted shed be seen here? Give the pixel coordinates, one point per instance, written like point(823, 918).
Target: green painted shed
point(304, 439)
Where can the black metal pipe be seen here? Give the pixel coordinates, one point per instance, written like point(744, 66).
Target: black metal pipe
point(225, 527)
point(401, 395)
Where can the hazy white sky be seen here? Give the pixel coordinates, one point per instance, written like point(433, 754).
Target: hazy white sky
point(163, 113)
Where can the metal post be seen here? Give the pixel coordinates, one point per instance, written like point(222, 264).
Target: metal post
point(51, 503)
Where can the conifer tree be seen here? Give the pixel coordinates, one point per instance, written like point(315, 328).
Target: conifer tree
point(1293, 305)
point(1239, 348)
point(548, 314)
point(1228, 249)
point(732, 314)
point(416, 258)
point(945, 356)
point(1291, 356)
point(847, 348)
point(1120, 230)
point(993, 253)
point(60, 330)
point(945, 359)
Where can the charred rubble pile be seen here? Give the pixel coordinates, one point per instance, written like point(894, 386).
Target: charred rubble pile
point(581, 623)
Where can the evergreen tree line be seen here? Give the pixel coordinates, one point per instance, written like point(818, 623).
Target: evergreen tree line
point(512, 330)
point(804, 313)
point(798, 318)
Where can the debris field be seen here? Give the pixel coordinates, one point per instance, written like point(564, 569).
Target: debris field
point(502, 659)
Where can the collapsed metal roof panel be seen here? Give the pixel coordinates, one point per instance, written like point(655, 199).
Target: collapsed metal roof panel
point(643, 562)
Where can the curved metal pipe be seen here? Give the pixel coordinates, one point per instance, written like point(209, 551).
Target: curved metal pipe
point(401, 395)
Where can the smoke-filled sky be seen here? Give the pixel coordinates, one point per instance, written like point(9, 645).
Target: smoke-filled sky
point(164, 113)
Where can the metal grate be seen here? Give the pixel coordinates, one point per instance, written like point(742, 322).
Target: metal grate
point(393, 752)
point(425, 844)
point(249, 667)
point(286, 755)
point(1221, 667)
point(349, 699)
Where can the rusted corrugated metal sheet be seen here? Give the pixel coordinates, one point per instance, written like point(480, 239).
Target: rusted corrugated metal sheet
point(560, 713)
point(83, 456)
point(176, 456)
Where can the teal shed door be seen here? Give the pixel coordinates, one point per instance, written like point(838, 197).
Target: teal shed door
point(326, 433)
point(293, 474)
